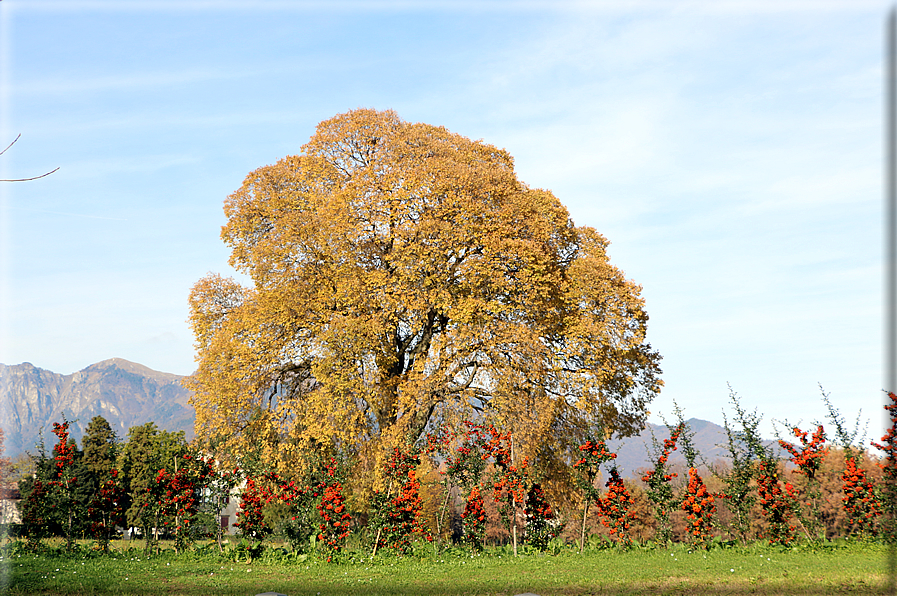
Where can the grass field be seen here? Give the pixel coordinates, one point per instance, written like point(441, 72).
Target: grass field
point(851, 569)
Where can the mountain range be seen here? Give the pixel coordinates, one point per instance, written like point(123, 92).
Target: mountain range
point(709, 440)
point(128, 394)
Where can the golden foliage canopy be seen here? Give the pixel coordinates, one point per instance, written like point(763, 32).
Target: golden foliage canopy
point(402, 277)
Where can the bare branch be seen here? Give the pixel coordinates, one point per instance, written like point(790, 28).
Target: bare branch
point(21, 179)
point(11, 144)
point(27, 179)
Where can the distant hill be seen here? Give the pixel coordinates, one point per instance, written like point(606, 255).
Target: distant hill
point(633, 452)
point(709, 439)
point(124, 393)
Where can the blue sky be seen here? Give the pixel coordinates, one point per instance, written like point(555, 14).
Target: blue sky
point(730, 151)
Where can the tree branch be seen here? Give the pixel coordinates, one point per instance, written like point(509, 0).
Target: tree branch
point(11, 144)
point(27, 179)
point(21, 179)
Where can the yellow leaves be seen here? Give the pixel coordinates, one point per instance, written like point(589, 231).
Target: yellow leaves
point(402, 274)
point(211, 299)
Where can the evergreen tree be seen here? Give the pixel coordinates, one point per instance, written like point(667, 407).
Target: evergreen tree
point(100, 448)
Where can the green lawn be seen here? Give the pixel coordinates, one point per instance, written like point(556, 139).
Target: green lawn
point(855, 569)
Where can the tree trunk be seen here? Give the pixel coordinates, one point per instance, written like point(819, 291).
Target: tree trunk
point(376, 542)
point(514, 503)
point(68, 533)
point(514, 533)
point(582, 536)
point(380, 529)
point(219, 534)
point(148, 538)
point(441, 517)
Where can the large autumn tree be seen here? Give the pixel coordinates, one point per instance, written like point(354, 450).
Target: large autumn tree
point(403, 277)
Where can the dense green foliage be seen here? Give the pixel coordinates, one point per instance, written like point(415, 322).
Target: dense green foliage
point(154, 482)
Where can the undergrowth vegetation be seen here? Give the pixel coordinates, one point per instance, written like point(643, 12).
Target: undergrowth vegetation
point(465, 490)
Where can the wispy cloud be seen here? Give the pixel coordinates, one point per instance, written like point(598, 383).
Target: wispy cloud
point(84, 215)
point(101, 167)
point(26, 85)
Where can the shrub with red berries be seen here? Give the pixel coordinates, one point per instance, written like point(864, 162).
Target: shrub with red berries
point(539, 530)
point(335, 518)
point(593, 453)
point(778, 501)
point(257, 493)
point(699, 508)
point(615, 508)
point(64, 481)
point(398, 516)
point(473, 520)
point(509, 482)
point(183, 497)
point(304, 510)
point(658, 481)
point(860, 501)
point(808, 458)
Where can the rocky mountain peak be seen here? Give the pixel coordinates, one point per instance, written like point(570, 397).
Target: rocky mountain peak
point(123, 392)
